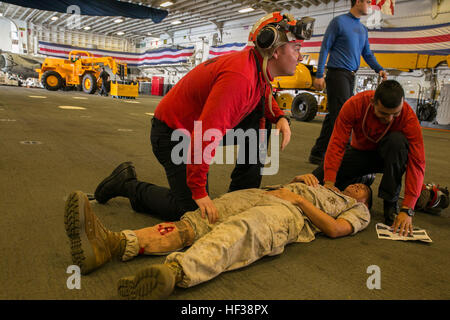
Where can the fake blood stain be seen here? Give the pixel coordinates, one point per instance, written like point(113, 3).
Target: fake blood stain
point(165, 229)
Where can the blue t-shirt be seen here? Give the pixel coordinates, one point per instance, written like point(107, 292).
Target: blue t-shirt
point(346, 39)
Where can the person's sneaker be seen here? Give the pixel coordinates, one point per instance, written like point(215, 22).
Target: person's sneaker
point(114, 185)
point(390, 212)
point(91, 244)
point(315, 159)
point(152, 283)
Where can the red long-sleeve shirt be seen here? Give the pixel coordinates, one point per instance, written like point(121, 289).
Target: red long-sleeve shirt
point(350, 120)
point(219, 92)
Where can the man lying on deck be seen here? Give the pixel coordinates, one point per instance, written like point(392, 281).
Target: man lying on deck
point(253, 223)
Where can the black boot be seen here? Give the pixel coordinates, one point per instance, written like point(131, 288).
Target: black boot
point(368, 179)
point(390, 212)
point(114, 185)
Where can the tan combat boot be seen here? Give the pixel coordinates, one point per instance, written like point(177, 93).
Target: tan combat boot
point(92, 245)
point(153, 283)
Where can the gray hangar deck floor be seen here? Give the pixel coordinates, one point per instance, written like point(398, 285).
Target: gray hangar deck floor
point(79, 147)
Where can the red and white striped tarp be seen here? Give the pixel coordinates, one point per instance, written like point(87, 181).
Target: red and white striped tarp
point(215, 51)
point(148, 58)
point(432, 40)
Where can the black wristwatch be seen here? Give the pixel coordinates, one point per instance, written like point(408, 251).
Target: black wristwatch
point(408, 211)
point(286, 117)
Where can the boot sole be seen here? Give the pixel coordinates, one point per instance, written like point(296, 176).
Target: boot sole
point(152, 283)
point(74, 221)
point(116, 171)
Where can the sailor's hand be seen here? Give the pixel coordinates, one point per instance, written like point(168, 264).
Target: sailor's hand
point(283, 126)
point(284, 194)
point(403, 224)
point(309, 179)
point(207, 207)
point(319, 83)
point(383, 74)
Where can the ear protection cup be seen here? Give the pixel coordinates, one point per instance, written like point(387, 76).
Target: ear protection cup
point(267, 38)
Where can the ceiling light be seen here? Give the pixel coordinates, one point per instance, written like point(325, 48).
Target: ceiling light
point(87, 28)
point(246, 10)
point(118, 20)
point(120, 33)
point(54, 18)
point(1, 14)
point(176, 22)
point(166, 4)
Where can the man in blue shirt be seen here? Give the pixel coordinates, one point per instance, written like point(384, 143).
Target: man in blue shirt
point(345, 40)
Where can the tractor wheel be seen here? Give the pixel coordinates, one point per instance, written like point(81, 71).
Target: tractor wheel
point(89, 83)
point(304, 107)
point(52, 80)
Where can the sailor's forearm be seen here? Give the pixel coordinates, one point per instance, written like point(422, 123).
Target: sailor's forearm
point(319, 218)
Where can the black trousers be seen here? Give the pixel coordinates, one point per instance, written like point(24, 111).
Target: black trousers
point(389, 158)
point(171, 203)
point(104, 88)
point(340, 84)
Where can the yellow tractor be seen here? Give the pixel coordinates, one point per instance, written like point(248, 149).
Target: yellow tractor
point(82, 69)
point(298, 94)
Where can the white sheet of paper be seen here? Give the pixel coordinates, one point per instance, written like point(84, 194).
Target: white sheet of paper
point(385, 232)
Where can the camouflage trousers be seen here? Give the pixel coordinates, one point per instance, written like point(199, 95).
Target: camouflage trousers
point(252, 225)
